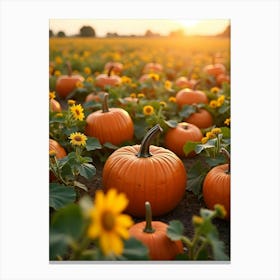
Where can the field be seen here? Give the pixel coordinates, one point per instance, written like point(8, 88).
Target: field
point(149, 126)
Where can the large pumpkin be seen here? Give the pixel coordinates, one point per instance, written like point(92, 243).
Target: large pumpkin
point(153, 235)
point(189, 96)
point(112, 125)
point(175, 138)
point(146, 173)
point(65, 84)
point(216, 186)
point(59, 150)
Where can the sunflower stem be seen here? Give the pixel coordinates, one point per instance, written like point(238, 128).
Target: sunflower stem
point(148, 228)
point(226, 153)
point(69, 68)
point(144, 151)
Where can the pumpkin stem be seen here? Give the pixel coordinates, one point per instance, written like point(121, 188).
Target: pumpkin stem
point(184, 125)
point(196, 84)
point(148, 228)
point(144, 151)
point(110, 70)
point(226, 153)
point(105, 107)
point(69, 68)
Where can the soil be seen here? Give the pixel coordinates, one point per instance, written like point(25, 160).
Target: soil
point(190, 205)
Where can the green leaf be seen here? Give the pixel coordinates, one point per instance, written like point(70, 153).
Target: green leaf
point(134, 250)
point(225, 131)
point(93, 144)
point(212, 162)
point(110, 146)
point(189, 147)
point(186, 111)
point(196, 175)
point(67, 225)
point(175, 230)
point(68, 221)
point(60, 195)
point(87, 170)
point(218, 248)
point(80, 185)
point(171, 123)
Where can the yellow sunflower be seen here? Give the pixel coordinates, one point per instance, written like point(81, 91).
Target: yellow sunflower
point(78, 139)
point(52, 94)
point(148, 110)
point(172, 99)
point(77, 112)
point(227, 122)
point(108, 225)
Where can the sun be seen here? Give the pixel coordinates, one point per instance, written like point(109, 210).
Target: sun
point(187, 22)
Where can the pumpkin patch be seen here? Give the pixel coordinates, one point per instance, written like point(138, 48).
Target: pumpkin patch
point(139, 126)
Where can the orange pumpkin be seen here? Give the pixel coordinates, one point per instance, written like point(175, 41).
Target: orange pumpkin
point(201, 118)
point(214, 69)
point(216, 186)
point(222, 78)
point(152, 67)
point(112, 125)
point(94, 96)
point(146, 173)
point(175, 138)
point(153, 235)
point(117, 67)
point(184, 82)
point(60, 153)
point(65, 84)
point(55, 106)
point(103, 80)
point(189, 96)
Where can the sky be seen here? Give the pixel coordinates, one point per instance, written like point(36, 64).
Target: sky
point(140, 26)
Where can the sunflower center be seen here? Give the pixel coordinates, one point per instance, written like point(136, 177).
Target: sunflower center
point(77, 112)
point(108, 220)
point(78, 138)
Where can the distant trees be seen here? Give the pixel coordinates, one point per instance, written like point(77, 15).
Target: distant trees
point(51, 33)
point(225, 33)
point(177, 33)
point(149, 33)
point(61, 34)
point(87, 31)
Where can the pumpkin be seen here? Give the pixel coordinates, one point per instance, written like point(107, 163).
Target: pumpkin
point(184, 82)
point(117, 67)
point(222, 78)
point(201, 118)
point(189, 96)
point(60, 153)
point(108, 79)
point(55, 106)
point(214, 69)
point(94, 96)
point(112, 125)
point(146, 173)
point(153, 235)
point(65, 84)
point(216, 186)
point(175, 138)
point(152, 67)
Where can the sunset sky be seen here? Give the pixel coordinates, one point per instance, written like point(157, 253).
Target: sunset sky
point(140, 26)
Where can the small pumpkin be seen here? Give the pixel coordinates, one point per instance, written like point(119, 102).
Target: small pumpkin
point(153, 235)
point(152, 67)
point(175, 138)
point(108, 79)
point(189, 96)
point(59, 153)
point(201, 118)
point(65, 84)
point(117, 67)
point(184, 82)
point(112, 125)
point(97, 97)
point(222, 78)
point(146, 173)
point(216, 186)
point(214, 69)
point(55, 106)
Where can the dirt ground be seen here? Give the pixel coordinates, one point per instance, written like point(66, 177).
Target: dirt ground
point(189, 206)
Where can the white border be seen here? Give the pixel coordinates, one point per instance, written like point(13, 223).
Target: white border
point(255, 138)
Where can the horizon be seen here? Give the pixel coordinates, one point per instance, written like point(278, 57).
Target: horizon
point(138, 27)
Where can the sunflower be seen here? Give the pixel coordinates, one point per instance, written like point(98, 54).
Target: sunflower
point(52, 94)
point(78, 139)
point(172, 99)
point(148, 110)
point(107, 224)
point(227, 122)
point(77, 112)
